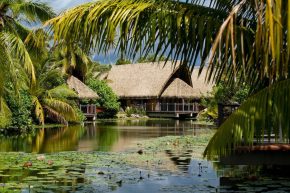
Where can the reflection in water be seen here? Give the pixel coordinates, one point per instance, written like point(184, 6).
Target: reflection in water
point(102, 136)
point(180, 159)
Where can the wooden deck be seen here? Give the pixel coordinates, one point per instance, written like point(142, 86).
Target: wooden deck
point(90, 111)
point(174, 110)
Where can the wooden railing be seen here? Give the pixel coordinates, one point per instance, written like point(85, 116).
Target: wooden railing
point(88, 109)
point(172, 107)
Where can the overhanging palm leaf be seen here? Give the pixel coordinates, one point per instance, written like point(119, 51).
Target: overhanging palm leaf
point(182, 30)
point(17, 48)
point(31, 10)
point(262, 115)
point(39, 113)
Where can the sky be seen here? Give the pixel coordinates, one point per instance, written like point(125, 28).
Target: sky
point(60, 5)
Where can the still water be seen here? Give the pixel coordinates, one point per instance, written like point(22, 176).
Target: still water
point(192, 175)
point(102, 136)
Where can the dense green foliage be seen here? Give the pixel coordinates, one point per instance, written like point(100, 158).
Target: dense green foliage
point(32, 88)
point(223, 94)
point(108, 99)
point(21, 109)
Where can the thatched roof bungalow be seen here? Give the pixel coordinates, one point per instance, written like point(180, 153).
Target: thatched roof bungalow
point(82, 90)
point(156, 80)
point(157, 84)
point(158, 87)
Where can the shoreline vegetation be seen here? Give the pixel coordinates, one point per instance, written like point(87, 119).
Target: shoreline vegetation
point(69, 170)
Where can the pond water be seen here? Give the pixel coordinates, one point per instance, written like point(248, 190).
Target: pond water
point(113, 136)
point(75, 171)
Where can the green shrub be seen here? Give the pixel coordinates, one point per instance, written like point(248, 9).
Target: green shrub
point(108, 99)
point(225, 94)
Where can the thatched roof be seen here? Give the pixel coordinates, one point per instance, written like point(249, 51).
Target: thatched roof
point(199, 83)
point(83, 91)
point(139, 80)
point(180, 89)
point(154, 80)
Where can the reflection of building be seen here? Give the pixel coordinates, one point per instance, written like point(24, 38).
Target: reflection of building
point(180, 159)
point(162, 90)
point(84, 93)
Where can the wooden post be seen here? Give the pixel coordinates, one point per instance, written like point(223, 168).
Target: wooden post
point(220, 114)
point(182, 105)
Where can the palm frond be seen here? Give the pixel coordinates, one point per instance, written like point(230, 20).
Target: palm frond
point(16, 46)
point(63, 108)
point(55, 115)
point(263, 116)
point(39, 113)
point(62, 91)
point(36, 43)
point(6, 65)
point(265, 55)
point(248, 34)
point(181, 30)
point(32, 11)
point(5, 114)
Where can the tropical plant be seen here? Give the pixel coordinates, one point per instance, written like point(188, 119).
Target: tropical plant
point(241, 40)
point(72, 59)
point(13, 50)
point(222, 94)
point(50, 96)
point(95, 70)
point(108, 99)
point(13, 33)
point(21, 109)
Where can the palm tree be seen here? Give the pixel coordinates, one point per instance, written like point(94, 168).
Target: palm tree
point(51, 96)
point(13, 48)
point(237, 39)
point(72, 59)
